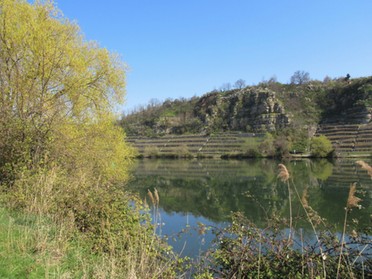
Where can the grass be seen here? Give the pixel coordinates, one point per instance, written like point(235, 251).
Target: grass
point(17, 259)
point(58, 226)
point(34, 247)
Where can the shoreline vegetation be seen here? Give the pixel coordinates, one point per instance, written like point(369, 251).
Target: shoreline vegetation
point(64, 208)
point(233, 146)
point(63, 160)
point(39, 243)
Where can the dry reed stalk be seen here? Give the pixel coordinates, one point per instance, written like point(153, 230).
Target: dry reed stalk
point(284, 177)
point(304, 199)
point(151, 196)
point(312, 217)
point(156, 194)
point(145, 205)
point(283, 173)
point(352, 200)
point(310, 212)
point(365, 166)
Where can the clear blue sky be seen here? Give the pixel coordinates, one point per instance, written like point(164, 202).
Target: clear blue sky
point(178, 48)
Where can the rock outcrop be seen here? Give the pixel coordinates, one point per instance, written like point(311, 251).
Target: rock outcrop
point(252, 109)
point(267, 107)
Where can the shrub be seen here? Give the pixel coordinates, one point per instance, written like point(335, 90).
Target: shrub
point(244, 250)
point(182, 151)
point(299, 145)
point(151, 151)
point(321, 147)
point(267, 146)
point(61, 155)
point(98, 214)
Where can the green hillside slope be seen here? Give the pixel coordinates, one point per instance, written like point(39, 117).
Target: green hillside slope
point(291, 113)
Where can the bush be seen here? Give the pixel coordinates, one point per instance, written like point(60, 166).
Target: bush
point(98, 215)
point(247, 251)
point(321, 147)
point(279, 250)
point(151, 151)
point(182, 151)
point(300, 145)
point(267, 146)
point(61, 155)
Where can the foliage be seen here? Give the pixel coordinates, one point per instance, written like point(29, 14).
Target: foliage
point(151, 151)
point(344, 96)
point(321, 146)
point(281, 144)
point(34, 246)
point(56, 89)
point(244, 250)
point(61, 154)
point(299, 146)
point(96, 224)
point(305, 104)
point(267, 146)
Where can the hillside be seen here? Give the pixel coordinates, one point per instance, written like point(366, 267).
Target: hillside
point(291, 113)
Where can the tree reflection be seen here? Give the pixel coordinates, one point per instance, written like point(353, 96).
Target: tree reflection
point(216, 188)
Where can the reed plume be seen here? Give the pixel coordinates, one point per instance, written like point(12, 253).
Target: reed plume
point(156, 194)
point(283, 173)
point(352, 200)
point(151, 196)
point(284, 177)
point(365, 166)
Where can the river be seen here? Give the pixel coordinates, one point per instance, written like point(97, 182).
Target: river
point(196, 195)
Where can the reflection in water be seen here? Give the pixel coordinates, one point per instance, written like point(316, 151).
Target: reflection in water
point(207, 191)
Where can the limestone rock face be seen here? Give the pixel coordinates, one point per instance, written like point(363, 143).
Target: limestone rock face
point(252, 110)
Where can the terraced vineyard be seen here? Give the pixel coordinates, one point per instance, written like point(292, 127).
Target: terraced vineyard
point(214, 145)
point(349, 139)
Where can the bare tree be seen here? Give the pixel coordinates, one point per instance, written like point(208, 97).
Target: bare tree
point(300, 77)
point(239, 84)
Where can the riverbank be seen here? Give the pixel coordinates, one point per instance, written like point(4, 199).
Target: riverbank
point(347, 141)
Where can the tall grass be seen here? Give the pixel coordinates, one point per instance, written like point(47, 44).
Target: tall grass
point(82, 228)
point(69, 225)
point(244, 250)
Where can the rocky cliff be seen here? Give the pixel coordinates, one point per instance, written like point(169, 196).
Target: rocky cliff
point(267, 107)
point(251, 109)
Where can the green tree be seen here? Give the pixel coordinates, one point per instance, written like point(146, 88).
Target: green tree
point(321, 147)
point(267, 147)
point(56, 91)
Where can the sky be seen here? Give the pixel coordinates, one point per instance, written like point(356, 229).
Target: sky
point(180, 49)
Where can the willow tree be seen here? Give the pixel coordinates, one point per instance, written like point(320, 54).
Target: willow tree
point(56, 92)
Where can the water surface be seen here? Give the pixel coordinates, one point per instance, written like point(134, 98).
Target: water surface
point(195, 192)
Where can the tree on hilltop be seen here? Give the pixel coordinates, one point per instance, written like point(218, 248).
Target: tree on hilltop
point(239, 84)
point(300, 77)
